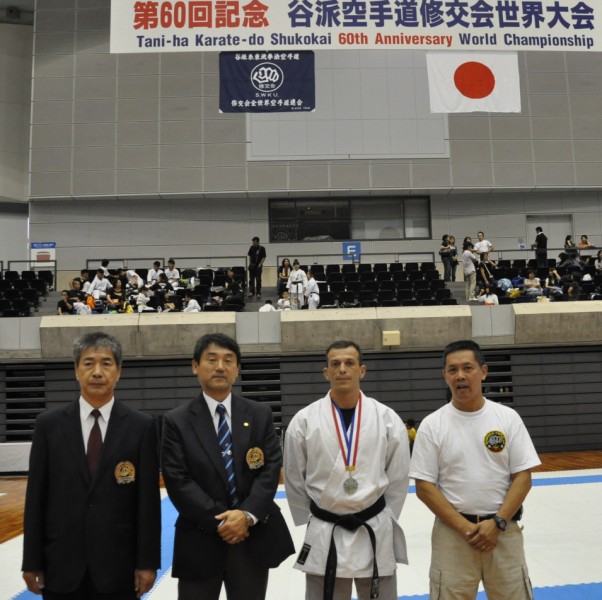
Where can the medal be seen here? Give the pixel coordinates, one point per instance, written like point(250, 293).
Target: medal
point(350, 485)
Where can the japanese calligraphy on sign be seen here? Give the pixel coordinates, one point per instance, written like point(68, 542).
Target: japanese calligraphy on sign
point(274, 25)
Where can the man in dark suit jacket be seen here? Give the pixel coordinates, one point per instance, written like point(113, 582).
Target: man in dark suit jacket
point(222, 478)
point(92, 508)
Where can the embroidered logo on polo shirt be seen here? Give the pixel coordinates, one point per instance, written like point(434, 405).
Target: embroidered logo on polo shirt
point(495, 441)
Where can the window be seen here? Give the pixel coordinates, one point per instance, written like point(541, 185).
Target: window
point(350, 219)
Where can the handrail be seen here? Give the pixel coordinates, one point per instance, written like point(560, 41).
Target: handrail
point(201, 262)
point(50, 263)
point(314, 259)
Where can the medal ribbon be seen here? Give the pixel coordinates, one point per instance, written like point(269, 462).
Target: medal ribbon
point(337, 415)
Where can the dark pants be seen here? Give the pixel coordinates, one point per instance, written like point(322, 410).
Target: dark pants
point(87, 591)
point(255, 280)
point(542, 258)
point(243, 577)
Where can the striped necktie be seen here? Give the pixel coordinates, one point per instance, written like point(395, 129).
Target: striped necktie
point(224, 437)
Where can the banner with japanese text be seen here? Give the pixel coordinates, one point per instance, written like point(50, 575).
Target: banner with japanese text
point(277, 25)
point(267, 82)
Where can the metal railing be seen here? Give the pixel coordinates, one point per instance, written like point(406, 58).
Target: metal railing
point(40, 265)
point(367, 258)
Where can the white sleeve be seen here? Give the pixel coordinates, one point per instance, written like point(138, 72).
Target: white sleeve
point(397, 465)
point(523, 455)
point(295, 469)
point(425, 455)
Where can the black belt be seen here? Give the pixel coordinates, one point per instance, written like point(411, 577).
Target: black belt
point(479, 518)
point(351, 523)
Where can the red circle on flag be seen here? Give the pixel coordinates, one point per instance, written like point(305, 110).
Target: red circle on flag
point(474, 80)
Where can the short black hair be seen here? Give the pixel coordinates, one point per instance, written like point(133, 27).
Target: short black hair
point(105, 262)
point(340, 344)
point(411, 422)
point(538, 229)
point(255, 239)
point(156, 264)
point(219, 339)
point(98, 271)
point(461, 345)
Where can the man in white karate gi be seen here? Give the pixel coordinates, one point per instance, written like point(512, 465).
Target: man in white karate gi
point(346, 464)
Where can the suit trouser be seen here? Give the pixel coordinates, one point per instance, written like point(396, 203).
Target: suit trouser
point(456, 568)
point(255, 280)
point(243, 577)
point(387, 587)
point(87, 591)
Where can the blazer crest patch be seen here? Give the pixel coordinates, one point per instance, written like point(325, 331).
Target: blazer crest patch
point(255, 458)
point(125, 472)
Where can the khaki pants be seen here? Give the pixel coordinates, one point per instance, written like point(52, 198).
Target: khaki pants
point(470, 284)
point(457, 569)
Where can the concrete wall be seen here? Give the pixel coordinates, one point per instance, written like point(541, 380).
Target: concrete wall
point(293, 332)
point(15, 95)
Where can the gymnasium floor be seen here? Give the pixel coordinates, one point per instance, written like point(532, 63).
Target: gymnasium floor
point(563, 538)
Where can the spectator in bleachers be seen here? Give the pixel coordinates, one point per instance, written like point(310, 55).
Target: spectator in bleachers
point(267, 307)
point(483, 247)
point(134, 281)
point(296, 285)
point(453, 249)
point(598, 263)
point(104, 265)
point(312, 291)
point(142, 300)
point(568, 261)
point(571, 286)
point(162, 303)
point(487, 297)
point(75, 293)
point(100, 286)
point(553, 284)
point(540, 245)
point(257, 257)
point(71, 306)
point(190, 304)
point(285, 302)
point(570, 248)
point(284, 271)
point(116, 297)
point(232, 285)
point(584, 244)
point(172, 274)
point(161, 284)
point(532, 285)
point(469, 258)
point(153, 274)
point(83, 279)
point(445, 254)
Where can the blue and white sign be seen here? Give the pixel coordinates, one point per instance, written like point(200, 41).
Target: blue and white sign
point(42, 252)
point(352, 251)
point(267, 82)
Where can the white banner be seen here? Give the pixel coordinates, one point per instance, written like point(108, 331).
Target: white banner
point(276, 25)
point(473, 81)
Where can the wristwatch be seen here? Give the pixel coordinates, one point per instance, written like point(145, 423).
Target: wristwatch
point(251, 522)
point(501, 523)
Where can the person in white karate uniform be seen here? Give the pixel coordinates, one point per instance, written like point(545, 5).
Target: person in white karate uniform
point(347, 455)
point(312, 291)
point(297, 282)
point(100, 286)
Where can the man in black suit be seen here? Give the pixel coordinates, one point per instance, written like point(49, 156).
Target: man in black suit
point(541, 248)
point(92, 508)
point(221, 463)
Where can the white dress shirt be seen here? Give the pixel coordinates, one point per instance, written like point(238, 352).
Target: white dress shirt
point(87, 420)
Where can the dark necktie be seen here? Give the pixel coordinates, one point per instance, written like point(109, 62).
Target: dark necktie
point(224, 437)
point(94, 444)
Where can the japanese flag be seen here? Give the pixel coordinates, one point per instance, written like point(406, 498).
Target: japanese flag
point(473, 81)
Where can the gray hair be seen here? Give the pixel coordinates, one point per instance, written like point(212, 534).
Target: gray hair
point(95, 340)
